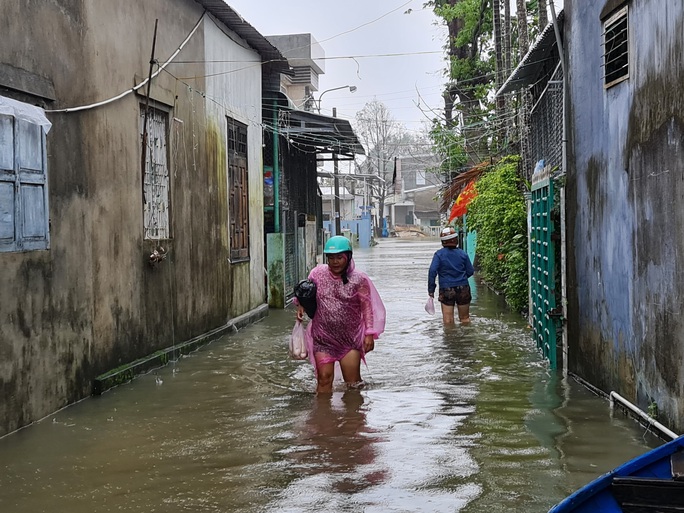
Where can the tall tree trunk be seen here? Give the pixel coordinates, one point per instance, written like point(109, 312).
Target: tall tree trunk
point(500, 73)
point(523, 32)
point(498, 43)
point(451, 93)
point(525, 107)
point(508, 60)
point(543, 15)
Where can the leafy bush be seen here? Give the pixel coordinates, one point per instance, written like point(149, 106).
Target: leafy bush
point(499, 215)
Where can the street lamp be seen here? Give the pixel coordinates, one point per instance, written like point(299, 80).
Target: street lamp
point(351, 90)
point(335, 172)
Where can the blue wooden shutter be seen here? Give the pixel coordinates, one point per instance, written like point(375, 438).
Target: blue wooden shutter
point(8, 185)
point(33, 197)
point(24, 215)
point(32, 174)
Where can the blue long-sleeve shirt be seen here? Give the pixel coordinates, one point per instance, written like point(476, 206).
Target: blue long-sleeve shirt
point(453, 267)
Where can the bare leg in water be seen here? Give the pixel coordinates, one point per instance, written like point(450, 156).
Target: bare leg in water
point(464, 313)
point(448, 314)
point(350, 366)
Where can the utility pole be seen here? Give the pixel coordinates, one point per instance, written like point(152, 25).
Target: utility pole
point(143, 163)
point(338, 229)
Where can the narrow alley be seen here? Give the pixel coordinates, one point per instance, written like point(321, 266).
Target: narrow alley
point(467, 419)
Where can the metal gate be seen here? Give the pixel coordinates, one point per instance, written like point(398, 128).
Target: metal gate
point(542, 270)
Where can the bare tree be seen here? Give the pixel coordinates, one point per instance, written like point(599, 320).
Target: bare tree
point(381, 135)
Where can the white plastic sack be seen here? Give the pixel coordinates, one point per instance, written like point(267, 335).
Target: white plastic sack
point(430, 306)
point(24, 111)
point(298, 342)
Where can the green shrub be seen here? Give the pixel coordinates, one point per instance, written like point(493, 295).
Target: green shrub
point(499, 215)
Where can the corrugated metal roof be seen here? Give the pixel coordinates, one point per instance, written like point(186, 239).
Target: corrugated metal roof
point(232, 19)
point(324, 135)
point(327, 134)
point(527, 71)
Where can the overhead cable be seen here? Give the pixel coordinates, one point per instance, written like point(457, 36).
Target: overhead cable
point(141, 84)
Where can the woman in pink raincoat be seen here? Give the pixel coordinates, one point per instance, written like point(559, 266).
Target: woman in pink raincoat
point(349, 317)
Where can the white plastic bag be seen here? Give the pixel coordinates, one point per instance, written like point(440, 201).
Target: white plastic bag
point(430, 306)
point(298, 342)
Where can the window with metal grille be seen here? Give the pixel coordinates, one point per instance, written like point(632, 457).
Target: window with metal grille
point(154, 134)
point(616, 48)
point(24, 214)
point(237, 190)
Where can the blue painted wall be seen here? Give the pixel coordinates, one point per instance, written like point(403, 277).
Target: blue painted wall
point(625, 211)
point(361, 230)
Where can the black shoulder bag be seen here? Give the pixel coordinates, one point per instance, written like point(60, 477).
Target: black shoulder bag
point(305, 292)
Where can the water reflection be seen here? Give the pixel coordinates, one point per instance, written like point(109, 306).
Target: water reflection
point(336, 437)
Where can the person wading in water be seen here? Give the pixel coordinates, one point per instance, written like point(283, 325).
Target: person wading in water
point(452, 267)
point(349, 317)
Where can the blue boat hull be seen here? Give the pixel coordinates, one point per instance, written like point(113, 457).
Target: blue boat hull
point(598, 496)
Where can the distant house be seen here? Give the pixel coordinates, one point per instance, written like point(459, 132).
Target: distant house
point(413, 201)
point(136, 223)
point(348, 203)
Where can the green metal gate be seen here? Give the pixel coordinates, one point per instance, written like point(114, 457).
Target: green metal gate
point(542, 270)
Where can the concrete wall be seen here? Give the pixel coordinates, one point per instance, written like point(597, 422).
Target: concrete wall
point(625, 221)
point(232, 91)
point(93, 302)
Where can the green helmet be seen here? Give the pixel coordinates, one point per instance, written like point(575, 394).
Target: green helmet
point(337, 244)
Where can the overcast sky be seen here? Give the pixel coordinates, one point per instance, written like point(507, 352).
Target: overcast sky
point(357, 37)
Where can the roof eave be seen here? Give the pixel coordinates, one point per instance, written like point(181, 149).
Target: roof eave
point(332, 136)
point(234, 21)
point(524, 73)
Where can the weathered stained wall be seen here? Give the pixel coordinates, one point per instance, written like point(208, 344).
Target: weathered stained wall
point(92, 302)
point(231, 92)
point(625, 220)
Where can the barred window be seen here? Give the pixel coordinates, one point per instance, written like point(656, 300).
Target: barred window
point(238, 191)
point(156, 174)
point(616, 48)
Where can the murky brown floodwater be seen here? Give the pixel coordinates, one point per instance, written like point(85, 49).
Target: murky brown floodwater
point(467, 419)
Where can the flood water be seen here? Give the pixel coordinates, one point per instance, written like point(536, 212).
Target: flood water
point(467, 419)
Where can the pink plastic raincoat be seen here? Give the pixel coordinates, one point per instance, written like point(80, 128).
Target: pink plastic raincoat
point(346, 313)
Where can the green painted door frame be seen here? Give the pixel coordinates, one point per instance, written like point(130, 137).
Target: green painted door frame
point(542, 270)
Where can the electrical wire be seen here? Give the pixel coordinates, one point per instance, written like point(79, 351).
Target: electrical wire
point(339, 57)
point(141, 84)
